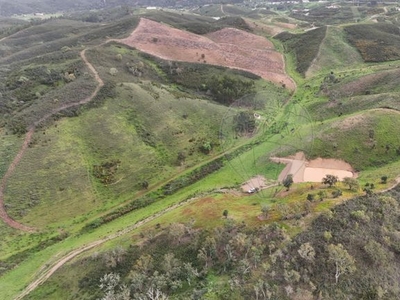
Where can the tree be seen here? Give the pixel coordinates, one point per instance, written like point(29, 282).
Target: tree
point(206, 147)
point(245, 123)
point(384, 179)
point(288, 181)
point(344, 262)
point(177, 231)
point(352, 183)
point(265, 210)
point(307, 251)
point(225, 213)
point(145, 184)
point(112, 288)
point(330, 180)
point(336, 193)
point(322, 195)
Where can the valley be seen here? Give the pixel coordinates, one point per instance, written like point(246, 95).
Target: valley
point(165, 154)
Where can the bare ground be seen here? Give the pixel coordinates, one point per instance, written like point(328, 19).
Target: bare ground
point(229, 47)
point(314, 170)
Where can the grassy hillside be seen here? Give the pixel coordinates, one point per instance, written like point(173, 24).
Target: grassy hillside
point(334, 53)
point(304, 47)
point(326, 14)
point(197, 23)
point(152, 168)
point(134, 131)
point(375, 42)
point(350, 92)
point(44, 70)
point(366, 140)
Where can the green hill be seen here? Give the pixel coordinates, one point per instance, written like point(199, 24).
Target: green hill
point(144, 190)
point(304, 47)
point(375, 42)
point(334, 53)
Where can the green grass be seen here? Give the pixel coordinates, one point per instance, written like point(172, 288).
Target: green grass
point(304, 47)
point(365, 140)
point(9, 147)
point(57, 172)
point(335, 53)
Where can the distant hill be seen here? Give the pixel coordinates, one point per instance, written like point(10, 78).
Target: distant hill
point(8, 8)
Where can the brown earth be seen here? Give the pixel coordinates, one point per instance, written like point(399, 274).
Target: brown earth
point(229, 47)
point(314, 170)
point(256, 182)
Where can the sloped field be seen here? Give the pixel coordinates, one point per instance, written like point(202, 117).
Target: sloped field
point(366, 140)
point(252, 54)
point(375, 42)
point(305, 47)
point(334, 53)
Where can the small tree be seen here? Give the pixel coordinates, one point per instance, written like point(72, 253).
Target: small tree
point(145, 184)
point(288, 181)
point(344, 262)
point(384, 179)
point(310, 197)
point(352, 183)
point(337, 193)
point(322, 195)
point(307, 251)
point(225, 213)
point(265, 210)
point(330, 180)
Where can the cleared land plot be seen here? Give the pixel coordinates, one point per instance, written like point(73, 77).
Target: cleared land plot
point(251, 55)
point(314, 170)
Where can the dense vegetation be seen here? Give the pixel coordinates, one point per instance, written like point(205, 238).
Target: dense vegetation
point(304, 47)
point(331, 259)
point(376, 42)
point(335, 14)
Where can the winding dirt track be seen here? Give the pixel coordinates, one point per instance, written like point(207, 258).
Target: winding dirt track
point(67, 257)
point(3, 213)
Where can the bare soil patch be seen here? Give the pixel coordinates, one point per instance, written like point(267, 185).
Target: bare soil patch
point(255, 182)
point(229, 47)
point(314, 170)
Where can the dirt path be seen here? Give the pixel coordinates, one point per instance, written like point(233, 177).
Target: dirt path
point(3, 213)
point(53, 267)
point(28, 137)
point(222, 10)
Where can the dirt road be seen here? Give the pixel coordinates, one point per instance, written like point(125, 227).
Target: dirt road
point(53, 267)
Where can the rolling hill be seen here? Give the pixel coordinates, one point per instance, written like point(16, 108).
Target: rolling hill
point(153, 153)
